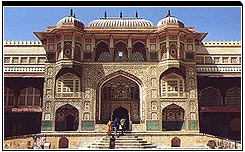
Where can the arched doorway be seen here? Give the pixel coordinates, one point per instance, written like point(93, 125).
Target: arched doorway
point(175, 142)
point(120, 91)
point(172, 118)
point(63, 142)
point(120, 113)
point(66, 118)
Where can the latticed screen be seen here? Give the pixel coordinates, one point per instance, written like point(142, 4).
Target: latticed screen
point(172, 86)
point(68, 86)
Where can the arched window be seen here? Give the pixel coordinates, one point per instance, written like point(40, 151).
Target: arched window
point(138, 52)
point(77, 54)
point(29, 97)
point(9, 98)
point(163, 51)
point(121, 51)
point(172, 118)
point(210, 97)
point(68, 85)
point(172, 85)
point(102, 52)
point(233, 97)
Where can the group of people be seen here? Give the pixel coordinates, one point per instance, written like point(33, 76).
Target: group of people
point(117, 126)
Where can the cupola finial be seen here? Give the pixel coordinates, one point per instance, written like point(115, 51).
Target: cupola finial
point(169, 13)
point(105, 14)
point(120, 14)
point(136, 14)
point(71, 12)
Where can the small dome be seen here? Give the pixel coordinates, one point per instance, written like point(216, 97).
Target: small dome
point(170, 20)
point(129, 23)
point(70, 20)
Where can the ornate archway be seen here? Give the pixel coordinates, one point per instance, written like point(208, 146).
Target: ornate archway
point(172, 118)
point(118, 90)
point(66, 118)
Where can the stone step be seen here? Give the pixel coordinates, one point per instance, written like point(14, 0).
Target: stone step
point(123, 142)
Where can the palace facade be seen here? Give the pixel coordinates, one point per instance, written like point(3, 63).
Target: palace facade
point(161, 78)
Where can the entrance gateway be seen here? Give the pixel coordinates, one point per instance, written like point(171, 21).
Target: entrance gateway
point(120, 98)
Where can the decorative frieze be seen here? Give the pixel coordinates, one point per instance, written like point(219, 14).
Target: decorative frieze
point(218, 68)
point(17, 69)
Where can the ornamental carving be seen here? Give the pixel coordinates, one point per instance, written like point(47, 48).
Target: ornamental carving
point(86, 116)
point(193, 116)
point(49, 94)
point(87, 94)
point(191, 71)
point(49, 83)
point(191, 83)
point(154, 116)
point(154, 83)
point(86, 106)
point(153, 71)
point(153, 94)
point(60, 104)
point(192, 106)
point(192, 93)
point(165, 104)
point(154, 106)
point(50, 71)
point(48, 106)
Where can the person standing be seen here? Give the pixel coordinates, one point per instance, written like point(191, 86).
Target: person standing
point(108, 127)
point(112, 144)
point(115, 125)
point(123, 125)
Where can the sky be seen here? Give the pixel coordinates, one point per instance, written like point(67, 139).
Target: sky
point(221, 23)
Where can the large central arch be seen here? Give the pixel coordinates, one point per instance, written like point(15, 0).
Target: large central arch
point(119, 90)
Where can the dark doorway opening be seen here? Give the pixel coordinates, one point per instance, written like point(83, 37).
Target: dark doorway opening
point(121, 113)
point(63, 142)
point(70, 122)
point(175, 142)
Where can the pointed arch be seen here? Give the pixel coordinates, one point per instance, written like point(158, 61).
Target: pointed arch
point(173, 117)
point(106, 92)
point(138, 51)
point(102, 51)
point(120, 51)
point(66, 118)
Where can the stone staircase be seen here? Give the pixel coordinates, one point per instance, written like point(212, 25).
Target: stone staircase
point(127, 141)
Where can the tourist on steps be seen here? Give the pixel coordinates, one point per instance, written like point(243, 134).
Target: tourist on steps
point(108, 127)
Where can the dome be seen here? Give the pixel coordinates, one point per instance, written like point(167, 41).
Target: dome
point(129, 23)
point(70, 20)
point(170, 20)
